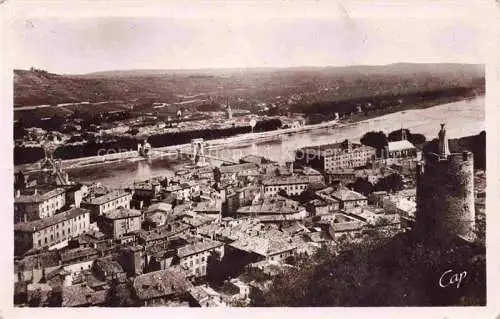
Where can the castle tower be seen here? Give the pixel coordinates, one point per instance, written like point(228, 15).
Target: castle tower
point(445, 193)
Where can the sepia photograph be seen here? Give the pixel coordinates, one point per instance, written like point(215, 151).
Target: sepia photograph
point(250, 158)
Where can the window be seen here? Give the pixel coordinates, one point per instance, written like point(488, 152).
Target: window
point(45, 240)
point(51, 237)
point(39, 242)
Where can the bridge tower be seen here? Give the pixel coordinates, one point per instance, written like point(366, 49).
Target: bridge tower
point(52, 166)
point(198, 149)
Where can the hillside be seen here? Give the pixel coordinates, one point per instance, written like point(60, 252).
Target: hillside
point(472, 70)
point(37, 87)
point(406, 269)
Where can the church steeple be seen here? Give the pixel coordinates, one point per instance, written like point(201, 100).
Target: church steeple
point(444, 149)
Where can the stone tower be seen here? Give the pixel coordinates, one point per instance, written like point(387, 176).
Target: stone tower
point(229, 110)
point(445, 193)
point(198, 150)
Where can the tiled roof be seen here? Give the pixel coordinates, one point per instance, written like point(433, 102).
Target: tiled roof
point(198, 220)
point(400, 145)
point(342, 194)
point(272, 206)
point(295, 228)
point(108, 265)
point(107, 197)
point(198, 247)
point(347, 226)
point(263, 246)
point(70, 254)
point(230, 169)
point(38, 198)
point(162, 232)
point(160, 284)
point(82, 295)
point(166, 207)
point(251, 158)
point(122, 212)
point(287, 180)
point(341, 171)
point(206, 296)
point(317, 202)
point(36, 225)
point(45, 259)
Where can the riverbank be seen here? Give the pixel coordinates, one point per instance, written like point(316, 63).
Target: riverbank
point(234, 141)
point(110, 156)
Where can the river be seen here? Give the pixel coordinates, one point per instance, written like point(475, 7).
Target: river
point(462, 118)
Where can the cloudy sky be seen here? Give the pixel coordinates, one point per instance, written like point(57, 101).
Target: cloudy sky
point(247, 37)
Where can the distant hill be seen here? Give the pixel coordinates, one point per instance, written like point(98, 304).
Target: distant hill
point(37, 87)
point(469, 70)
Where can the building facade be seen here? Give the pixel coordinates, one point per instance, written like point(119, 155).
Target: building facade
point(335, 156)
point(119, 222)
point(346, 198)
point(195, 257)
point(107, 203)
point(50, 231)
point(291, 185)
point(39, 204)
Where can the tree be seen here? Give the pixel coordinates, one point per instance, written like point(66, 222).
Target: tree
point(377, 140)
point(404, 267)
point(391, 183)
point(133, 131)
point(363, 186)
point(119, 295)
point(217, 269)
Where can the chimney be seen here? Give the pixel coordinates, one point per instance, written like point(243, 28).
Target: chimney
point(443, 142)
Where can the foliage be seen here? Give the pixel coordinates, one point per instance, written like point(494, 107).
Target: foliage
point(391, 183)
point(363, 186)
point(475, 144)
point(377, 140)
point(217, 269)
point(252, 273)
point(119, 295)
point(406, 270)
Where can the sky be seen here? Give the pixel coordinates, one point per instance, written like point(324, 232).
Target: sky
point(246, 37)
